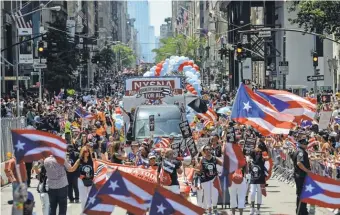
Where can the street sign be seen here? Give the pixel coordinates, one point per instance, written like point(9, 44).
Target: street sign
point(283, 67)
point(265, 33)
point(38, 61)
point(40, 66)
point(34, 73)
point(315, 78)
point(13, 78)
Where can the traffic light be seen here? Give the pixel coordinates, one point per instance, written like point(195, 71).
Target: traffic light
point(240, 51)
point(315, 59)
point(95, 59)
point(40, 48)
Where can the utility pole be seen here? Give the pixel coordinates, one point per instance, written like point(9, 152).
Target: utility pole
point(315, 64)
point(284, 80)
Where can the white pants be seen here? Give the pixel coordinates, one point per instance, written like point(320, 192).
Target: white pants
point(255, 189)
point(83, 193)
point(238, 194)
point(200, 200)
point(174, 189)
point(45, 203)
point(210, 194)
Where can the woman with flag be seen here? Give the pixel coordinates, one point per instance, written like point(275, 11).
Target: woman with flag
point(208, 166)
point(85, 166)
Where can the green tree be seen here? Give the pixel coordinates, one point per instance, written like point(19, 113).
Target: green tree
point(60, 55)
point(179, 45)
point(124, 54)
point(317, 16)
point(107, 57)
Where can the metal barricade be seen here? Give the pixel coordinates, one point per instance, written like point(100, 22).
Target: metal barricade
point(7, 124)
point(284, 168)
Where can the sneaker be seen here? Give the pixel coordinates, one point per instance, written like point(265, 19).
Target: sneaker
point(252, 211)
point(77, 201)
point(10, 202)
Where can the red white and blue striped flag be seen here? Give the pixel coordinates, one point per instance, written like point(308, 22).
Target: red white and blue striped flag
point(32, 145)
point(23, 21)
point(160, 142)
point(289, 103)
point(321, 191)
point(252, 109)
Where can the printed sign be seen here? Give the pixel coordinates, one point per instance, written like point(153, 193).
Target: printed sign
point(192, 147)
point(202, 142)
point(176, 147)
point(152, 123)
point(25, 48)
point(231, 135)
point(185, 129)
point(249, 145)
point(153, 88)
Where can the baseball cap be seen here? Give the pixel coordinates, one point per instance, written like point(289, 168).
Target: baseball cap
point(152, 155)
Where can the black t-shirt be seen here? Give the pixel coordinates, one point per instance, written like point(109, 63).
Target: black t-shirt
point(217, 152)
point(86, 169)
point(262, 146)
point(209, 169)
point(171, 167)
point(114, 159)
point(257, 169)
point(72, 158)
point(300, 156)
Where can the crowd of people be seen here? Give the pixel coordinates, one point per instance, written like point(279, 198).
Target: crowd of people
point(98, 138)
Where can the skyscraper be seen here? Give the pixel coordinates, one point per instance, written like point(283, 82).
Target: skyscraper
point(139, 10)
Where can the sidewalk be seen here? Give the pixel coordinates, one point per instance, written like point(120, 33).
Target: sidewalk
point(280, 200)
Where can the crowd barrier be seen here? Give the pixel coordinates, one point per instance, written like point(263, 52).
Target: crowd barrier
point(284, 167)
point(7, 124)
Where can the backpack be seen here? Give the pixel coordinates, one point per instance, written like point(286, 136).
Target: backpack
point(237, 176)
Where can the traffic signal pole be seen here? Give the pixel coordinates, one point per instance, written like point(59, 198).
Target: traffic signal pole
point(315, 83)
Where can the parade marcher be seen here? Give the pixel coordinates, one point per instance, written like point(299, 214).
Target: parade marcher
point(168, 170)
point(238, 190)
point(131, 157)
point(57, 184)
point(301, 169)
point(42, 188)
point(142, 156)
point(72, 177)
point(68, 131)
point(86, 173)
point(152, 161)
point(257, 170)
point(208, 167)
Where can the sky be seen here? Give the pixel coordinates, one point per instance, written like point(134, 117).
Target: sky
point(159, 10)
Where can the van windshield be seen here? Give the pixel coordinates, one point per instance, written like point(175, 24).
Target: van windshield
point(163, 128)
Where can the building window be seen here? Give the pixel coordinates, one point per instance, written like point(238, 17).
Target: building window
point(101, 22)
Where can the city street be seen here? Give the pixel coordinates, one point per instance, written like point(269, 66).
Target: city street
point(280, 200)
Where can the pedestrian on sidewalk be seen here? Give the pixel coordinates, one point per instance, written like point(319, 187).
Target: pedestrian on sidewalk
point(42, 188)
point(11, 173)
point(72, 177)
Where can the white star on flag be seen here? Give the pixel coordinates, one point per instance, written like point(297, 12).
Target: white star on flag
point(246, 106)
point(309, 188)
point(160, 209)
point(20, 146)
point(113, 185)
point(92, 200)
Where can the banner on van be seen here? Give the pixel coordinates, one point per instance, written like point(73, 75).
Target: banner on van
point(153, 88)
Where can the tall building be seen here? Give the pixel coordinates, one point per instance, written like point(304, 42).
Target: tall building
point(139, 10)
point(152, 44)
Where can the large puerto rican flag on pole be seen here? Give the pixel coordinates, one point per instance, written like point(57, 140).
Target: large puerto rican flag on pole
point(251, 109)
point(289, 103)
point(321, 191)
point(32, 145)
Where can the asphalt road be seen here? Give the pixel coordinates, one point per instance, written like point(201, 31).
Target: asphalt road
point(280, 200)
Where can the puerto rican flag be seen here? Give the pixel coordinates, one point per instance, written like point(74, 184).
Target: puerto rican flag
point(167, 202)
point(32, 145)
point(125, 191)
point(321, 191)
point(83, 114)
point(252, 109)
point(209, 115)
point(312, 142)
point(160, 142)
point(289, 103)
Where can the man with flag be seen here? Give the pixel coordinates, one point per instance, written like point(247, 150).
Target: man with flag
point(301, 169)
